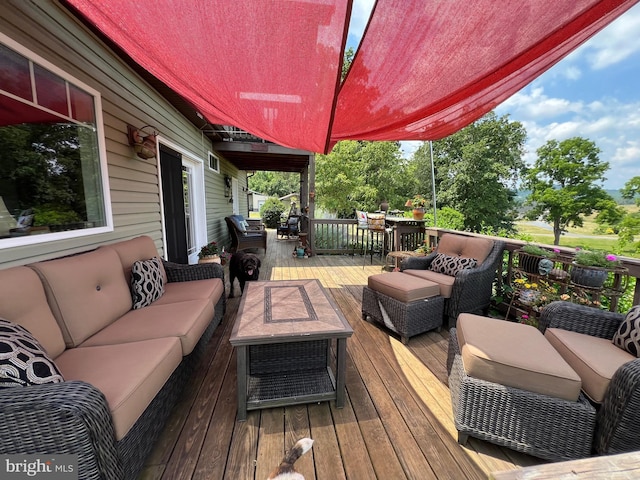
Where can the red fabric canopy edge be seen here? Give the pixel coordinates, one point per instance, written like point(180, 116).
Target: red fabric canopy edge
point(461, 59)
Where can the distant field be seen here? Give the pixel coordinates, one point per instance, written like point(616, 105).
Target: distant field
point(588, 238)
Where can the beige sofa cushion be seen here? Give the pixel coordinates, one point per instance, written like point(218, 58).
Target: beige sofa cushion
point(210, 289)
point(129, 374)
point(594, 359)
point(462, 246)
point(130, 251)
point(514, 355)
point(23, 301)
point(445, 282)
point(86, 292)
point(185, 320)
point(402, 287)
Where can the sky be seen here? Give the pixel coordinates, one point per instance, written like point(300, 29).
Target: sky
point(592, 93)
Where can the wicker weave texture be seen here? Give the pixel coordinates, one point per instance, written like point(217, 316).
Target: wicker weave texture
point(406, 319)
point(539, 425)
point(288, 356)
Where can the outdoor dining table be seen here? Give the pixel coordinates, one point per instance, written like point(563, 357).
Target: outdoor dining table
point(408, 233)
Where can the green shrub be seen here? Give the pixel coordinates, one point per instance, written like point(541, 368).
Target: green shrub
point(271, 211)
point(47, 215)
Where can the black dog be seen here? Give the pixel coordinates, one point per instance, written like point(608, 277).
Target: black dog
point(245, 267)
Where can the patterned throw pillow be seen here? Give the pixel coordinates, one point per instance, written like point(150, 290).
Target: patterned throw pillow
point(147, 283)
point(23, 361)
point(628, 335)
point(451, 265)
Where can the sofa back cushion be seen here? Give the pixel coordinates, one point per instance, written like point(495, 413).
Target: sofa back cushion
point(469, 247)
point(23, 301)
point(130, 251)
point(86, 292)
point(239, 223)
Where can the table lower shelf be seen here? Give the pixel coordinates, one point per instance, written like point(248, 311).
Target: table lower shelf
point(290, 387)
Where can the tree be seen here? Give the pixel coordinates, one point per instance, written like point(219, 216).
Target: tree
point(276, 184)
point(476, 171)
point(629, 225)
point(563, 183)
point(631, 189)
point(360, 175)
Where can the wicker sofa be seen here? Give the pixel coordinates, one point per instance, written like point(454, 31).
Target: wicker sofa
point(123, 368)
point(618, 412)
point(469, 289)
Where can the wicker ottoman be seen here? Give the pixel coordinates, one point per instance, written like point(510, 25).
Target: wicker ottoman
point(550, 419)
point(405, 304)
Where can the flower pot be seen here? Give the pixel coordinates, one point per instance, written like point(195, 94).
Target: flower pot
point(527, 297)
point(592, 277)
point(418, 213)
point(300, 252)
point(210, 259)
point(528, 263)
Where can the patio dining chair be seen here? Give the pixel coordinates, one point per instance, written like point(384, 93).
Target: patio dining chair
point(376, 226)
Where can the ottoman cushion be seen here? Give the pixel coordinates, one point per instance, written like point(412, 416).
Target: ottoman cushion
point(404, 288)
point(515, 355)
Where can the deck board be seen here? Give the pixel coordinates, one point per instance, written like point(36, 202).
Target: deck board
point(396, 422)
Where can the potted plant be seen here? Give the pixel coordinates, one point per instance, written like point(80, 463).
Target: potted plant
point(418, 204)
point(530, 256)
point(590, 268)
point(209, 253)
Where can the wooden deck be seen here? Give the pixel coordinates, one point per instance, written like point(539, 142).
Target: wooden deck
point(396, 423)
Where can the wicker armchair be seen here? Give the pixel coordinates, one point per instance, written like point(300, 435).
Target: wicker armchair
point(253, 236)
point(617, 418)
point(472, 288)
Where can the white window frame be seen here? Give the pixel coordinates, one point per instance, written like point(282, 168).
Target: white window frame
point(102, 153)
point(211, 155)
point(198, 211)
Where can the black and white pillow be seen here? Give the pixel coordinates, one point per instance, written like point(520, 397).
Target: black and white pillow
point(23, 361)
point(147, 282)
point(628, 335)
point(451, 265)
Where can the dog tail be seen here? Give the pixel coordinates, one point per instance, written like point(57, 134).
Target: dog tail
point(301, 447)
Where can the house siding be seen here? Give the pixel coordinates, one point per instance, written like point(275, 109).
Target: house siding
point(51, 31)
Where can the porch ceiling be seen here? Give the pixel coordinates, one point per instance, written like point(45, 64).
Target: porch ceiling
point(263, 156)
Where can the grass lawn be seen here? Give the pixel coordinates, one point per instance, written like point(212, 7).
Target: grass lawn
point(587, 238)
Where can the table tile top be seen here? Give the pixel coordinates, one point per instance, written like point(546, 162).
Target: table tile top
point(287, 309)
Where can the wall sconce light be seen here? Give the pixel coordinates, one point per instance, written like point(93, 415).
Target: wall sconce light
point(143, 144)
point(312, 196)
point(227, 186)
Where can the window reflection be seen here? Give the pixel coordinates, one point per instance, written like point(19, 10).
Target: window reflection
point(50, 171)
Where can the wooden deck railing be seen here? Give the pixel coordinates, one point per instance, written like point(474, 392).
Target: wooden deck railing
point(342, 236)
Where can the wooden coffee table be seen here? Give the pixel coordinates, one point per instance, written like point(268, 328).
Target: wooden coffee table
point(283, 336)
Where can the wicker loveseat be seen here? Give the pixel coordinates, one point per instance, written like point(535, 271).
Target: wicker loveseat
point(123, 368)
point(618, 412)
point(246, 233)
point(469, 289)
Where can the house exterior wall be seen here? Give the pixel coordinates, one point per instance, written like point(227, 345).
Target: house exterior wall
point(52, 32)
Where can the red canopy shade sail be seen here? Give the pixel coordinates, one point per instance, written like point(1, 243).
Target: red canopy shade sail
point(425, 68)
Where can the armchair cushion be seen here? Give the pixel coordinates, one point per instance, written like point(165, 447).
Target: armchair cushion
point(239, 223)
point(23, 361)
point(594, 359)
point(463, 246)
point(444, 281)
point(628, 335)
point(147, 282)
point(451, 265)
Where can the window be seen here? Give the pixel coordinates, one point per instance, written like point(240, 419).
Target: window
point(53, 181)
point(214, 162)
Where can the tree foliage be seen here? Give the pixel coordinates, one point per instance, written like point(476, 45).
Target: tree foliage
point(563, 183)
point(276, 184)
point(476, 171)
point(360, 175)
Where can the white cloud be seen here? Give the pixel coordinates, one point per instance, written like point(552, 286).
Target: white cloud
point(615, 43)
point(613, 126)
